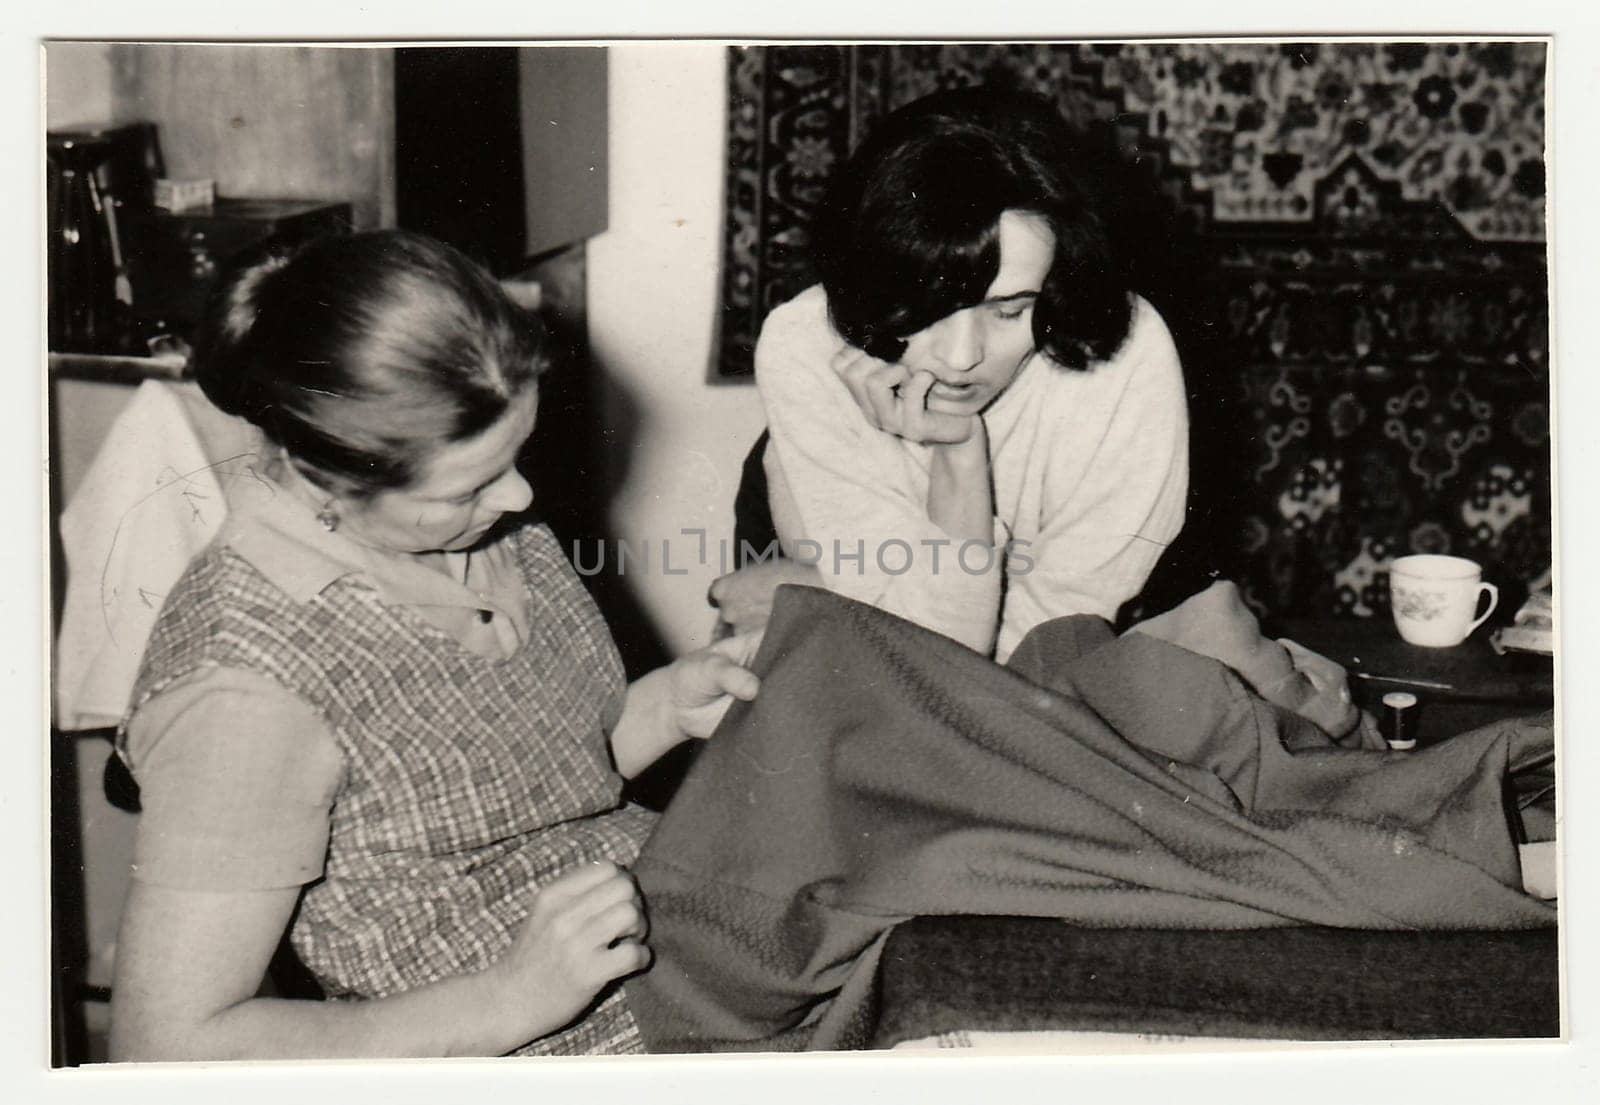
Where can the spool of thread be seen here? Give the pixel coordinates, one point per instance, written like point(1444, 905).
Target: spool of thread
point(1399, 722)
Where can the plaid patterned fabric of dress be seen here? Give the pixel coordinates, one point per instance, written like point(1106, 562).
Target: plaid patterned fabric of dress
point(469, 782)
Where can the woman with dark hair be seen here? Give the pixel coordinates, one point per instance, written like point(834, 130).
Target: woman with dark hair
point(373, 715)
point(975, 423)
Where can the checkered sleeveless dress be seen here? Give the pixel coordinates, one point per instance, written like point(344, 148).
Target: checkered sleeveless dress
point(469, 781)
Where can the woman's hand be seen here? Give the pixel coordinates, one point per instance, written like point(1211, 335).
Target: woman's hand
point(895, 399)
point(744, 598)
point(586, 928)
point(687, 698)
point(703, 684)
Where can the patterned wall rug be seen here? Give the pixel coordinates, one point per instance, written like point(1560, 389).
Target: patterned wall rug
point(1240, 133)
point(1348, 247)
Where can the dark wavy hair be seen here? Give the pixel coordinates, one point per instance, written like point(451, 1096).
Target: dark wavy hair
point(363, 354)
point(908, 231)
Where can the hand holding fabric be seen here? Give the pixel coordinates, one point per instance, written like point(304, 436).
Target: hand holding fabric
point(703, 684)
point(744, 598)
point(585, 929)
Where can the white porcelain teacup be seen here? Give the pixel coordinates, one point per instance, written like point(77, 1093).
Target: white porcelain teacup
point(1435, 598)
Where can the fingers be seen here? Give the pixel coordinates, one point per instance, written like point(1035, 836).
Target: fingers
point(930, 427)
point(872, 384)
point(598, 898)
point(895, 400)
point(606, 928)
point(573, 884)
point(883, 387)
point(718, 589)
point(855, 365)
point(615, 939)
point(728, 676)
point(743, 619)
point(915, 396)
point(740, 682)
point(720, 668)
point(623, 920)
point(741, 648)
point(625, 958)
point(750, 586)
point(933, 427)
point(705, 683)
point(941, 428)
point(585, 928)
point(744, 599)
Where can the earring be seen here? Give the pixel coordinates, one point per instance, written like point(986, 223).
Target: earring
point(327, 517)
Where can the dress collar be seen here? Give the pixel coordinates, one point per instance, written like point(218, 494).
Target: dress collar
point(277, 532)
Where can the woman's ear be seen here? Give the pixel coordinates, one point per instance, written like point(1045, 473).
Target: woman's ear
point(331, 500)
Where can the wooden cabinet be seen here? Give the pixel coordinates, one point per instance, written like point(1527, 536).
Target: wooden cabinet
point(174, 257)
point(266, 121)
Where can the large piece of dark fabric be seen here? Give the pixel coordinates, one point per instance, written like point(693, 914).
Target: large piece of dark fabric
point(885, 772)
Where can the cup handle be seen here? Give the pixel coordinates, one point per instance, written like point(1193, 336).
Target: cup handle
point(1494, 601)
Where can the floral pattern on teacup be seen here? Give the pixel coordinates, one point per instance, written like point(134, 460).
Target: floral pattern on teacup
point(1422, 606)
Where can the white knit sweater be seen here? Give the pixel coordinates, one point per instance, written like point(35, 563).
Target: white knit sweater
point(1090, 472)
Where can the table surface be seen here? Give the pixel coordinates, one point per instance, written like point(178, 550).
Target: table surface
point(1370, 647)
point(1457, 688)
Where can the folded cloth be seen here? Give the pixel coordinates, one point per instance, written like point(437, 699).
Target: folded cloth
point(1532, 628)
point(886, 772)
point(1217, 623)
point(151, 499)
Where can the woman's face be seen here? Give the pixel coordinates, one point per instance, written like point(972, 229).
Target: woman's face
point(975, 353)
point(463, 490)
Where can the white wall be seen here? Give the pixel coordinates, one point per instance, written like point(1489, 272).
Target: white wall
point(653, 287)
point(77, 84)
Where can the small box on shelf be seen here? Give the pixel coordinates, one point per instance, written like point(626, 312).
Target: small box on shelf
point(184, 195)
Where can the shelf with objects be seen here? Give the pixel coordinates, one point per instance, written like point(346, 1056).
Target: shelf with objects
point(128, 278)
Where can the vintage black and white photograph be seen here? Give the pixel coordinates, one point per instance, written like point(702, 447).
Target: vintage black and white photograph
point(693, 547)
